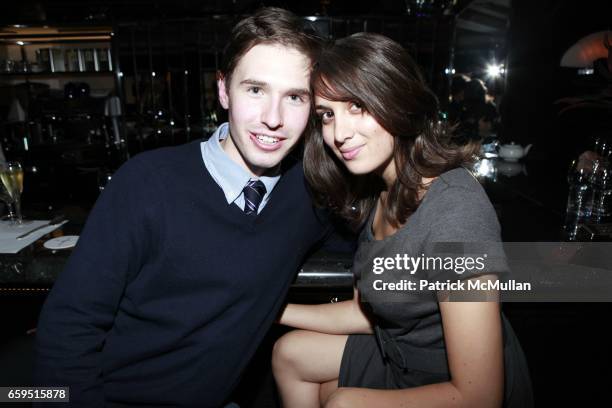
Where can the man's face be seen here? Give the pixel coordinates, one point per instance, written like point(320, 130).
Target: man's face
point(268, 102)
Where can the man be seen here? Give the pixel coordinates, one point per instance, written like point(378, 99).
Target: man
point(190, 251)
point(457, 96)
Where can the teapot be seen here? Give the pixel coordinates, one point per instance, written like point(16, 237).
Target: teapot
point(512, 152)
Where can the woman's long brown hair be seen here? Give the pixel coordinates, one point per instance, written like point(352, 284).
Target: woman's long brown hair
point(378, 73)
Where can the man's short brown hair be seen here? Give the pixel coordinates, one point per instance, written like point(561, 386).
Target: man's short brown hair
point(269, 25)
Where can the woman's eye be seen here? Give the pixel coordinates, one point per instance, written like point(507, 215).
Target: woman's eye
point(356, 107)
point(326, 117)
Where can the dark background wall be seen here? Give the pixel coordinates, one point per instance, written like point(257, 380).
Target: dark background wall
point(540, 32)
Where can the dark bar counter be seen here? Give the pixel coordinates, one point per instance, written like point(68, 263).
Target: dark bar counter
point(529, 205)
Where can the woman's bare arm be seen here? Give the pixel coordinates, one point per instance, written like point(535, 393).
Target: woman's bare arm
point(345, 317)
point(474, 344)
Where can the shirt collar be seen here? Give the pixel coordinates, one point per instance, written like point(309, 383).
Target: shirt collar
point(228, 174)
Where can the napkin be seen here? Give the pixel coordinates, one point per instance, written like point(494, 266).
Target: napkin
point(9, 244)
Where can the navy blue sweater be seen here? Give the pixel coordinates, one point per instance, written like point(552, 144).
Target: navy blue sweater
point(170, 290)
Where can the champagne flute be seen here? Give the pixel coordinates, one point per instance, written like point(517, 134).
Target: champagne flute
point(12, 180)
point(8, 200)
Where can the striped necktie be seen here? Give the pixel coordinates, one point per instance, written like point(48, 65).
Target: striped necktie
point(254, 192)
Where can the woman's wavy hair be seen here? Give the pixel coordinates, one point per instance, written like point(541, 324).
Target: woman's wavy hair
point(379, 75)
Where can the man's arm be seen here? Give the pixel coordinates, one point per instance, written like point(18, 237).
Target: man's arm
point(82, 305)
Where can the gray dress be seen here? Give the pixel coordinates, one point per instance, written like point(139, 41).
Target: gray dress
point(407, 349)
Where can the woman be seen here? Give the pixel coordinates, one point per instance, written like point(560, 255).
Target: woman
point(383, 160)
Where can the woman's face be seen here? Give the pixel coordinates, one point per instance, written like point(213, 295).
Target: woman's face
point(355, 137)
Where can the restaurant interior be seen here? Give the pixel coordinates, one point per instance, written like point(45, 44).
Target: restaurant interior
point(87, 85)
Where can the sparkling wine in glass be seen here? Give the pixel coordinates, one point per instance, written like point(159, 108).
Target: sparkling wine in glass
point(11, 176)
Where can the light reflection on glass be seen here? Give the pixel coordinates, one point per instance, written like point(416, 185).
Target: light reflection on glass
point(485, 168)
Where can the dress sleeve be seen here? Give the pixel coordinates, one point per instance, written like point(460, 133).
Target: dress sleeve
point(464, 228)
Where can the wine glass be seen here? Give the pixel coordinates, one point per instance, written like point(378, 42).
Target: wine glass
point(11, 175)
point(8, 200)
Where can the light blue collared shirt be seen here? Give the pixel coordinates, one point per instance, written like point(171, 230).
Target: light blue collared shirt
point(228, 174)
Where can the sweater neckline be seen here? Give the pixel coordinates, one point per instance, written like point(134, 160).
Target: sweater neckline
point(219, 197)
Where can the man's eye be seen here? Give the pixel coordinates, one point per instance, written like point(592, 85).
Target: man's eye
point(296, 98)
point(254, 90)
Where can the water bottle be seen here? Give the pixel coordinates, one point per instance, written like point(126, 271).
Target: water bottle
point(601, 196)
point(603, 149)
point(579, 200)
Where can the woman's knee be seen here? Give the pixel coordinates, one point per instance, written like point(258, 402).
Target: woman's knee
point(285, 353)
point(338, 399)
